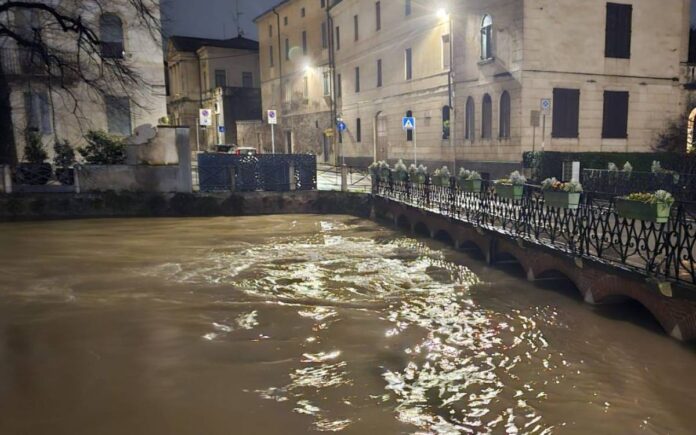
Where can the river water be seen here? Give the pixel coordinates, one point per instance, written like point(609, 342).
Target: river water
point(297, 324)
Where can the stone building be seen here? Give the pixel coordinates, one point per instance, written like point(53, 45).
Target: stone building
point(474, 73)
point(296, 76)
point(219, 75)
point(65, 111)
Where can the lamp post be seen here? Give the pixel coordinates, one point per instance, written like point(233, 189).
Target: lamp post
point(444, 14)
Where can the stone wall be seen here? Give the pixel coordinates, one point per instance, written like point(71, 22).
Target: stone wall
point(20, 207)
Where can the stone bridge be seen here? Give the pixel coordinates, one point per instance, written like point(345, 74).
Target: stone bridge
point(672, 304)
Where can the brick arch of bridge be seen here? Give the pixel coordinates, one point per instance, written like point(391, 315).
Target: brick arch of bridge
point(596, 282)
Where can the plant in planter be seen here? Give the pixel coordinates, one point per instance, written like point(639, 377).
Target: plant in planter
point(442, 177)
point(35, 170)
point(512, 187)
point(400, 171)
point(561, 195)
point(469, 181)
point(628, 168)
point(649, 207)
point(657, 169)
point(418, 174)
point(103, 149)
point(64, 159)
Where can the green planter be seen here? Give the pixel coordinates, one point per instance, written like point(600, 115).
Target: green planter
point(418, 178)
point(644, 211)
point(510, 191)
point(562, 199)
point(400, 176)
point(441, 181)
point(384, 174)
point(470, 186)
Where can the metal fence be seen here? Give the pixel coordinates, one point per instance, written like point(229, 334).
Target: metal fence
point(268, 172)
point(594, 230)
point(681, 186)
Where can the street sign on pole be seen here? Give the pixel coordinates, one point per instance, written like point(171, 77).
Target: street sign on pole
point(546, 106)
point(272, 117)
point(206, 117)
point(341, 126)
point(221, 128)
point(408, 123)
point(273, 120)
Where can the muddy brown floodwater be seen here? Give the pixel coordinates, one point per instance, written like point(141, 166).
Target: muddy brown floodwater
point(297, 324)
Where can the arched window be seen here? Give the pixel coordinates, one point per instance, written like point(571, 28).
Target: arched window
point(470, 119)
point(445, 122)
point(487, 37)
point(486, 115)
point(505, 115)
point(111, 35)
point(409, 133)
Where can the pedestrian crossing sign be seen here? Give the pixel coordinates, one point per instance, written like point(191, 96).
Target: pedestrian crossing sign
point(408, 123)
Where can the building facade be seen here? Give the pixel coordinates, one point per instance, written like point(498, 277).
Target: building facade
point(488, 80)
point(219, 75)
point(296, 76)
point(65, 111)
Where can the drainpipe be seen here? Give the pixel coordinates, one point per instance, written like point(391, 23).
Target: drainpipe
point(280, 63)
point(340, 157)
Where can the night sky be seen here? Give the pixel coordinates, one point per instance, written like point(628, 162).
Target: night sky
point(216, 18)
point(212, 18)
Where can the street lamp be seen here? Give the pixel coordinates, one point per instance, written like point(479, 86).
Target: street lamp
point(443, 14)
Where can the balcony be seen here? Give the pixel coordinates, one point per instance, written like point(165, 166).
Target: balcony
point(19, 62)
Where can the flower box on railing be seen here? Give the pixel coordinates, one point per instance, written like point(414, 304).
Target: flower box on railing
point(560, 199)
point(400, 176)
point(442, 181)
point(510, 191)
point(657, 212)
point(470, 186)
point(418, 178)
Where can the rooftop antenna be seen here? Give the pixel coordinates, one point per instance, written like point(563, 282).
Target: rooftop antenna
point(238, 14)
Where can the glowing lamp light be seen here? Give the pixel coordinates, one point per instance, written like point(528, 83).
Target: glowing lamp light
point(442, 13)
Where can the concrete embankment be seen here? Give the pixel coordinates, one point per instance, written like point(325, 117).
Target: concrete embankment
point(19, 207)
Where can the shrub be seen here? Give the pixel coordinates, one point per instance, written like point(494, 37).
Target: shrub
point(400, 167)
point(103, 149)
point(64, 154)
point(34, 151)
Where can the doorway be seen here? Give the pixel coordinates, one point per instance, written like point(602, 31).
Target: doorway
point(381, 138)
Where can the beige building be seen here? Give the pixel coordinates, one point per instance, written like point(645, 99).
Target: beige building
point(296, 76)
point(59, 114)
point(611, 76)
point(219, 75)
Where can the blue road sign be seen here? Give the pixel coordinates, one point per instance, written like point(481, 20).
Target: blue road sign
point(408, 123)
point(221, 128)
point(341, 126)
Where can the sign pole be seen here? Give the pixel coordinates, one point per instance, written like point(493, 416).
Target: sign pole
point(543, 132)
point(198, 141)
point(415, 147)
point(273, 138)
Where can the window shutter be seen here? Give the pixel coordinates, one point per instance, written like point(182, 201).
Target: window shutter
point(618, 31)
point(566, 112)
point(615, 117)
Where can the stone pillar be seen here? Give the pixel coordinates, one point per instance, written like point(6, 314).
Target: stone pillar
point(344, 178)
point(291, 177)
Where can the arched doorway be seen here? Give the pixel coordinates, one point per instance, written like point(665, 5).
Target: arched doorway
point(380, 137)
point(690, 133)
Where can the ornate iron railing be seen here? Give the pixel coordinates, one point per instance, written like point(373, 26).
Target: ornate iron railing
point(594, 230)
point(682, 186)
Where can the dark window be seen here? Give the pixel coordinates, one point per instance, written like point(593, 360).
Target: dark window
point(38, 112)
point(470, 119)
point(247, 79)
point(379, 73)
point(339, 86)
point(302, 12)
point(692, 43)
point(338, 38)
point(487, 38)
point(356, 29)
point(357, 79)
point(220, 78)
point(615, 123)
point(324, 39)
point(285, 21)
point(505, 115)
point(111, 34)
point(358, 131)
point(408, 60)
point(287, 49)
point(407, 7)
point(270, 55)
point(304, 43)
point(270, 31)
point(323, 3)
point(409, 133)
point(486, 115)
point(118, 115)
point(566, 113)
point(445, 122)
point(618, 32)
point(378, 15)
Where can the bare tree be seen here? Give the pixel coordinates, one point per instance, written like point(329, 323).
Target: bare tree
point(65, 42)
